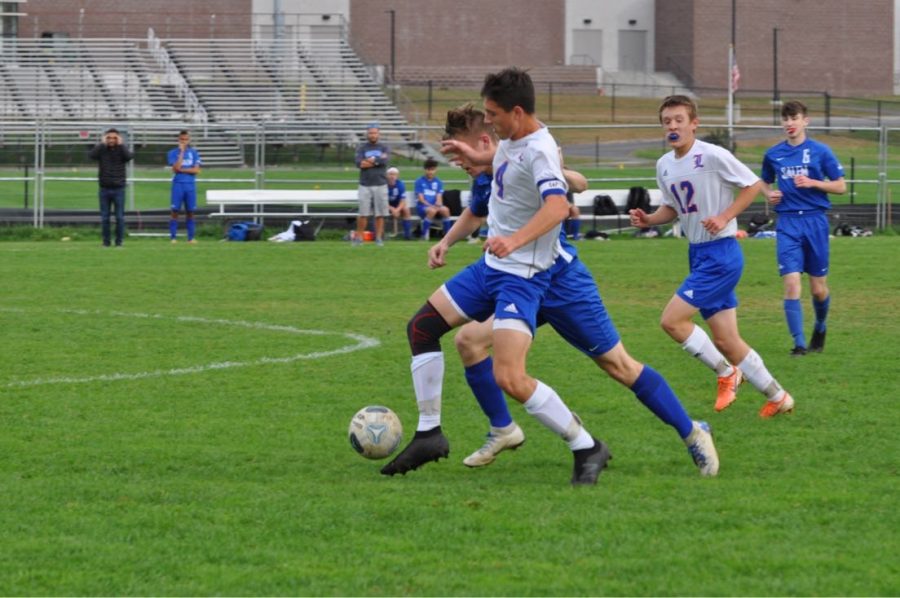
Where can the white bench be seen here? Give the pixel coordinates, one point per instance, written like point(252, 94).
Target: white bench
point(229, 200)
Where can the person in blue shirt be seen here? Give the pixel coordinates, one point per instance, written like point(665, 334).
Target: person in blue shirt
point(806, 171)
point(185, 162)
point(430, 199)
point(573, 307)
point(397, 202)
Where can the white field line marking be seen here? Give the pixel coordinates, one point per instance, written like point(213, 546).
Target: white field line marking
point(360, 342)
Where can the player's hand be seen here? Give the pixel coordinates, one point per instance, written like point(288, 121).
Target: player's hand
point(437, 255)
point(638, 218)
point(774, 197)
point(714, 224)
point(499, 246)
point(802, 181)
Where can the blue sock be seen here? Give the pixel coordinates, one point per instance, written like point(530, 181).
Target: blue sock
point(407, 229)
point(821, 309)
point(654, 392)
point(793, 313)
point(173, 227)
point(190, 228)
point(447, 224)
point(426, 225)
point(489, 395)
point(575, 228)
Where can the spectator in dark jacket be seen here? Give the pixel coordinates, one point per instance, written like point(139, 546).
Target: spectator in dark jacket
point(111, 155)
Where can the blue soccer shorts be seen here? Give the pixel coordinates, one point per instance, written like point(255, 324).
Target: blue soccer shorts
point(802, 243)
point(716, 269)
point(184, 194)
point(479, 291)
point(575, 310)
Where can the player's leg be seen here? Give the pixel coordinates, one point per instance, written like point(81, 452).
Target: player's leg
point(426, 213)
point(816, 259)
point(104, 195)
point(789, 253)
point(365, 210)
point(574, 308)
point(446, 219)
point(176, 200)
point(119, 200)
point(724, 327)
point(191, 207)
point(473, 342)
point(456, 302)
point(406, 223)
point(574, 222)
point(380, 205)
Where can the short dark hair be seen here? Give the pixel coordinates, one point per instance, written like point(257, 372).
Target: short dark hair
point(183, 132)
point(793, 108)
point(679, 100)
point(430, 163)
point(510, 88)
point(464, 120)
point(111, 130)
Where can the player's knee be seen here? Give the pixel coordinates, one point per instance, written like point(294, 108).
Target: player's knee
point(189, 215)
point(425, 330)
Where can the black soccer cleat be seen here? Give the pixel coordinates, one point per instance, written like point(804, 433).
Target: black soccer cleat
point(589, 463)
point(425, 447)
point(817, 343)
point(798, 351)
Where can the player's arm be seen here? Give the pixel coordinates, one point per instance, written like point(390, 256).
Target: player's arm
point(745, 197)
point(837, 186)
point(554, 211)
point(773, 196)
point(577, 182)
point(461, 149)
point(465, 225)
point(663, 215)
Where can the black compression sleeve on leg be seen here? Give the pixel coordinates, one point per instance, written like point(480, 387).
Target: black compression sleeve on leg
point(425, 330)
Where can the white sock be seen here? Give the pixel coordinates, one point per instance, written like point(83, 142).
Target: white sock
point(700, 346)
point(546, 406)
point(428, 379)
point(756, 372)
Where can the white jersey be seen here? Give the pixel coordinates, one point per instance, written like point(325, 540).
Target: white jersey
point(701, 184)
point(526, 172)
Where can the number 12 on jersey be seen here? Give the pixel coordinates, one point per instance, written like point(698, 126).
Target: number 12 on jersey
point(686, 203)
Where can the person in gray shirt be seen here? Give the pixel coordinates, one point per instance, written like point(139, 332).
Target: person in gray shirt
point(372, 160)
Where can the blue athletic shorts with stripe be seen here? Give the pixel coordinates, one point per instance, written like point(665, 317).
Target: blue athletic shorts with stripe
point(479, 291)
point(716, 269)
point(802, 243)
point(575, 310)
point(184, 194)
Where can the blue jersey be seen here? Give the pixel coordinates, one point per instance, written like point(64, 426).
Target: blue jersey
point(481, 195)
point(813, 159)
point(191, 159)
point(396, 193)
point(430, 189)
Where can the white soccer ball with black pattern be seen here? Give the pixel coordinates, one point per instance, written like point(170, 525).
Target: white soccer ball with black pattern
point(375, 432)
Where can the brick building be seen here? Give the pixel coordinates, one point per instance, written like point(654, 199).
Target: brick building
point(839, 46)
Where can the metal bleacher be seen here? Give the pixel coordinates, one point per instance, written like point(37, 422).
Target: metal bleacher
point(316, 89)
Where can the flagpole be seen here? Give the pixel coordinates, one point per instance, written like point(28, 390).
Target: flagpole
point(731, 95)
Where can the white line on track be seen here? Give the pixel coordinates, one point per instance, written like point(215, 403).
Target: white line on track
point(360, 342)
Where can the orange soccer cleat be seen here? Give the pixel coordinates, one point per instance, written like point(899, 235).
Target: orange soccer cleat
point(728, 386)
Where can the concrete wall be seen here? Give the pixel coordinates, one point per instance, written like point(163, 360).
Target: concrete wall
point(610, 17)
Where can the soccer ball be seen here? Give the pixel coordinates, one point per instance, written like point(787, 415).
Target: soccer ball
point(375, 432)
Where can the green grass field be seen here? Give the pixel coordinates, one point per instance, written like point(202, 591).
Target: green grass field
point(175, 417)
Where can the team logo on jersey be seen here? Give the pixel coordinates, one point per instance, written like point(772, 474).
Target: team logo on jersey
point(698, 160)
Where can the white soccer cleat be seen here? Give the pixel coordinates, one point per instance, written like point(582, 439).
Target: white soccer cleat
point(496, 443)
point(702, 449)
